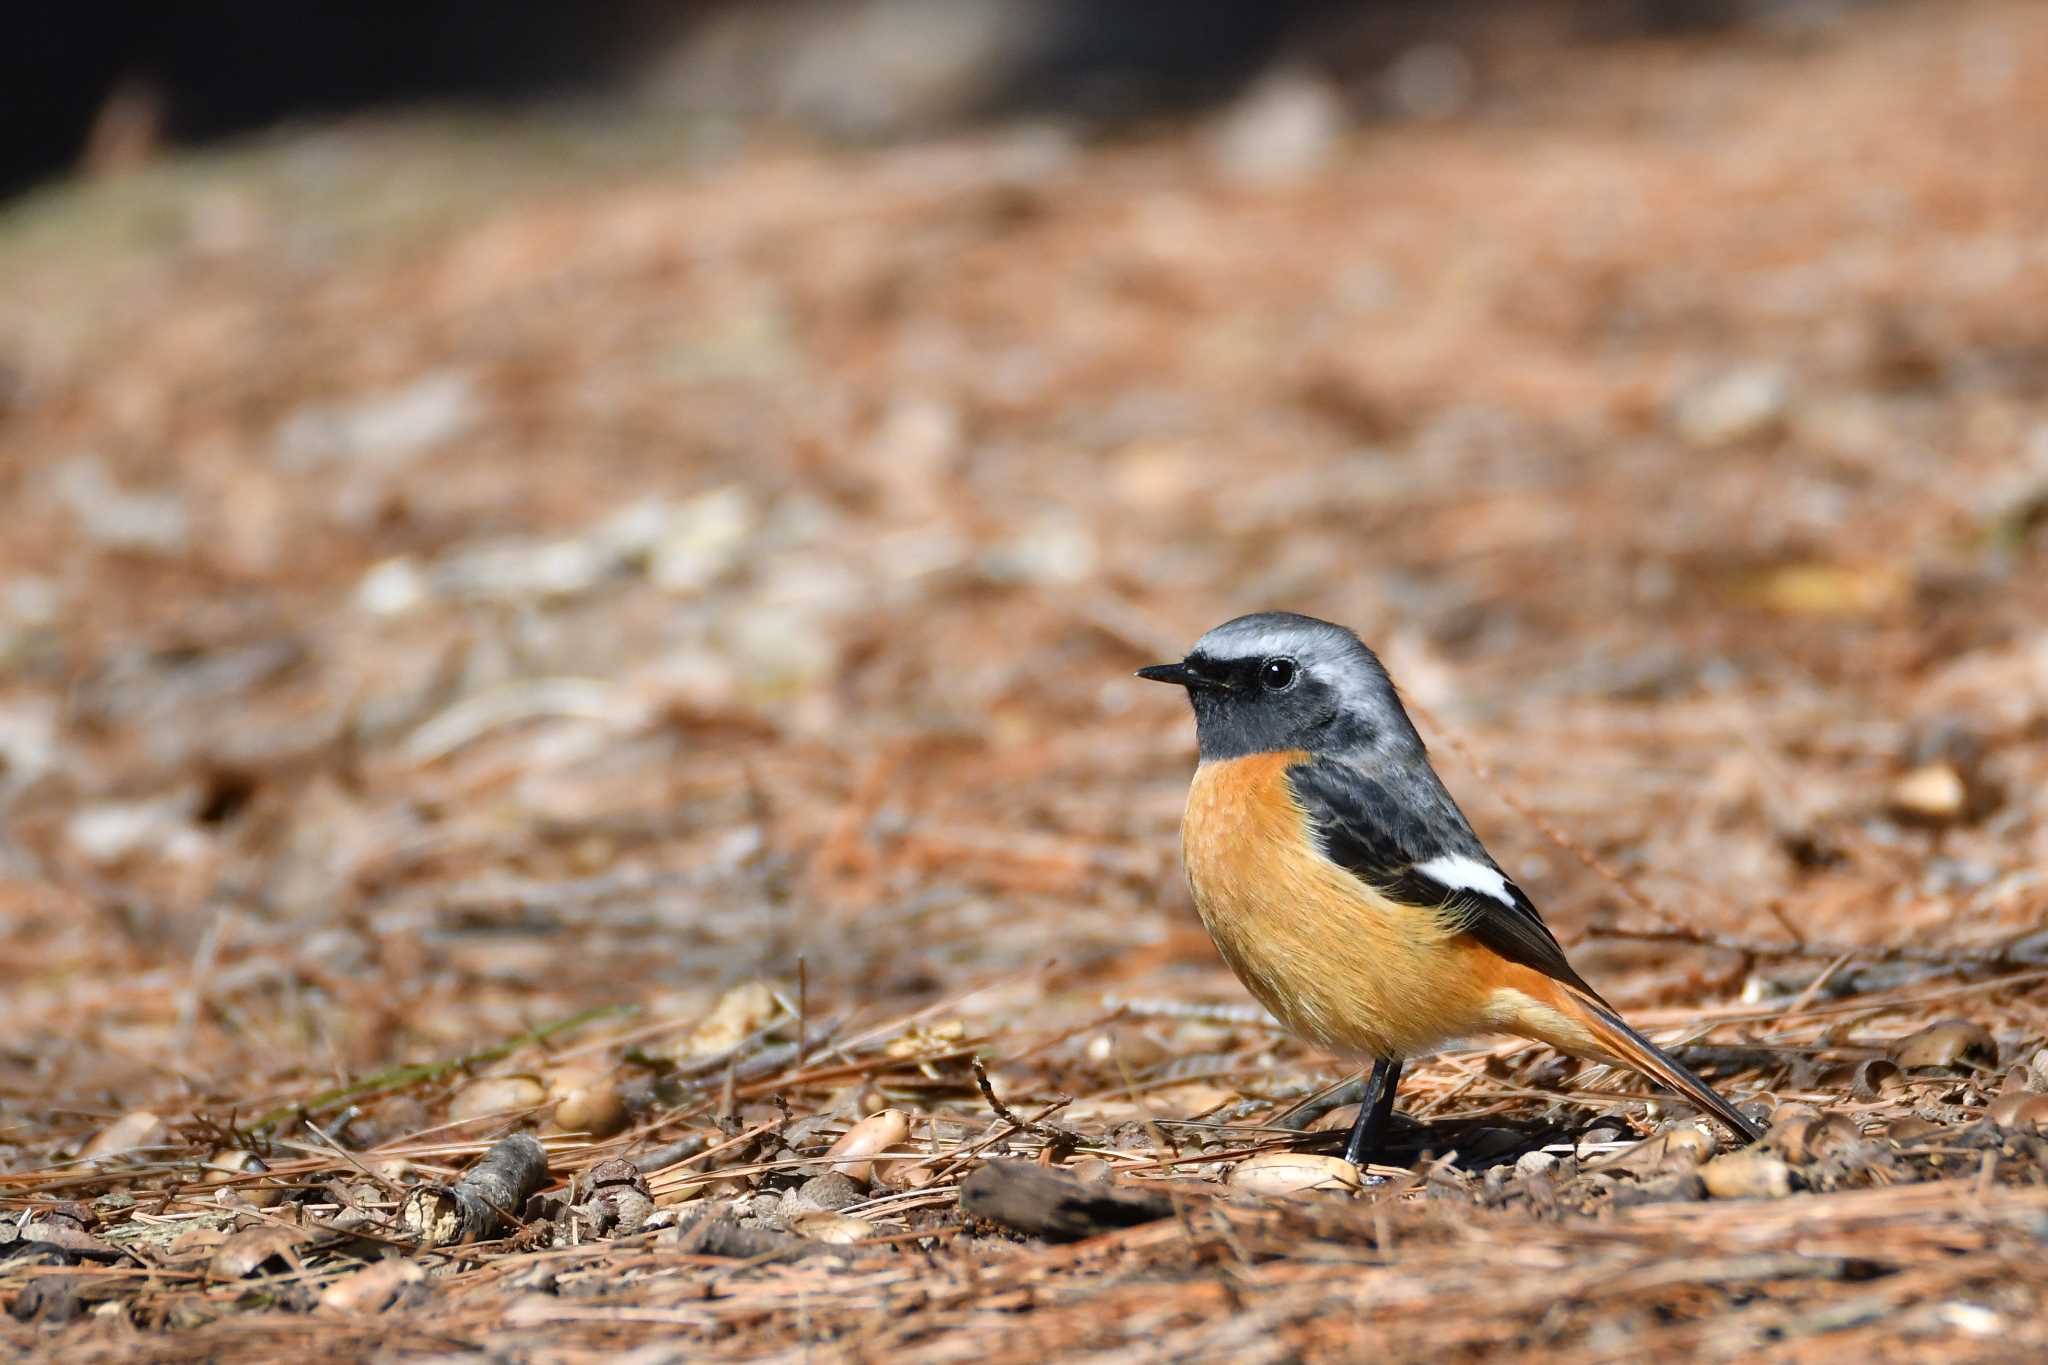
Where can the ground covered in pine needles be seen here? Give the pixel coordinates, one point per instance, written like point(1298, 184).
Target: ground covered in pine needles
point(572, 781)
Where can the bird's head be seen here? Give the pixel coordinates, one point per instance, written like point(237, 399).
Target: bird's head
point(1275, 680)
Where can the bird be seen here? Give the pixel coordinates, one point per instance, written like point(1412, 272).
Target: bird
point(1345, 888)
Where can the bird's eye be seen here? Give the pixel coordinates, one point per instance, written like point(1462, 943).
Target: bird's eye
point(1277, 675)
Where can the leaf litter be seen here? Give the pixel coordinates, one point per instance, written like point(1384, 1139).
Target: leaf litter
point(619, 819)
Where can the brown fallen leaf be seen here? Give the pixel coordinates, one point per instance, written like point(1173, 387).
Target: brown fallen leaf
point(1800, 1133)
point(2020, 1113)
point(1947, 1045)
point(825, 1225)
point(853, 1154)
point(247, 1252)
point(1875, 1077)
point(72, 1238)
point(738, 1013)
point(1829, 590)
point(373, 1288)
point(1677, 1149)
point(1752, 1173)
point(195, 1243)
point(589, 1100)
point(1907, 1127)
point(1293, 1173)
point(125, 1134)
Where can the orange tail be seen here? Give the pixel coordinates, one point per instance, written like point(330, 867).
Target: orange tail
point(1616, 1037)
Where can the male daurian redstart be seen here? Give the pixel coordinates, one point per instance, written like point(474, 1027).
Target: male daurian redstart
point(1343, 885)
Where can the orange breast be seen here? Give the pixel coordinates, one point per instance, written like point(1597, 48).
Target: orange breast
point(1334, 960)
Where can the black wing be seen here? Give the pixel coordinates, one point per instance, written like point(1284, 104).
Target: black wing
point(1385, 838)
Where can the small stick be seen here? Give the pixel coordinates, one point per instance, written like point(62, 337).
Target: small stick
point(961, 1156)
point(486, 1200)
point(803, 1010)
point(1815, 986)
point(1044, 1132)
point(388, 1186)
point(1777, 912)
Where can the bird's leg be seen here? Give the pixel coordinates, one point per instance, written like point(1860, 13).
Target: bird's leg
point(1373, 1113)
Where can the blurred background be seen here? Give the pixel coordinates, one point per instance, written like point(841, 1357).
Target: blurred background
point(517, 508)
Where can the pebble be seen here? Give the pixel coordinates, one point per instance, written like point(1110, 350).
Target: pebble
point(145, 522)
point(831, 1191)
point(1285, 129)
point(386, 429)
point(1933, 794)
point(1737, 405)
point(393, 587)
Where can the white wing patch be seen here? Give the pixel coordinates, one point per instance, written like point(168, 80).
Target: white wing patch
point(1459, 873)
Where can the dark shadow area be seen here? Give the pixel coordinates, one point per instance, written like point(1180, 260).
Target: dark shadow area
point(230, 66)
point(196, 72)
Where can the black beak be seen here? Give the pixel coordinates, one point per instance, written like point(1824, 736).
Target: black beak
point(1180, 675)
point(1177, 674)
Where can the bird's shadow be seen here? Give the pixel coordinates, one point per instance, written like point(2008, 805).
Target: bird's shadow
point(1473, 1145)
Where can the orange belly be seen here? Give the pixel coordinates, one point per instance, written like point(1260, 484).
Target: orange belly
point(1336, 962)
